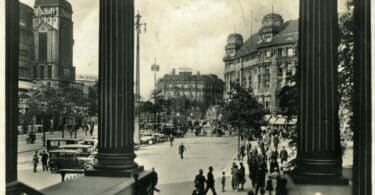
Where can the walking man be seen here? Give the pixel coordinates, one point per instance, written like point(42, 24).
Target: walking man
point(35, 161)
point(171, 138)
point(181, 150)
point(199, 182)
point(154, 181)
point(44, 156)
point(210, 181)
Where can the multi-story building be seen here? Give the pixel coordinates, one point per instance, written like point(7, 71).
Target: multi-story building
point(86, 81)
point(206, 89)
point(265, 61)
point(53, 36)
point(26, 55)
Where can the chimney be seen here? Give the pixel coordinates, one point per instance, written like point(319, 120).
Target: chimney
point(198, 73)
point(173, 71)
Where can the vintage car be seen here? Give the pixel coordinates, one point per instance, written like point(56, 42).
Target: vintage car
point(84, 150)
point(160, 137)
point(69, 159)
point(92, 142)
point(147, 138)
point(55, 143)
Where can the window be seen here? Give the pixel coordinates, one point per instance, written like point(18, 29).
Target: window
point(268, 54)
point(34, 72)
point(267, 104)
point(43, 47)
point(291, 51)
point(49, 72)
point(41, 72)
point(279, 52)
point(280, 71)
point(259, 81)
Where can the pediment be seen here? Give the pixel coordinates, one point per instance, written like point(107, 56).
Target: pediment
point(44, 26)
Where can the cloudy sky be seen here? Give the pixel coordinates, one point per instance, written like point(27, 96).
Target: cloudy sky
point(180, 33)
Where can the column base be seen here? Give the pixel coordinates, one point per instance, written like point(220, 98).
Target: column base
point(17, 188)
point(301, 178)
point(113, 172)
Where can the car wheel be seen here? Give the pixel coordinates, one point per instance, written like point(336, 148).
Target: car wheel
point(150, 142)
point(54, 168)
point(87, 166)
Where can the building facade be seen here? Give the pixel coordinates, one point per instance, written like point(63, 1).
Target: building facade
point(53, 41)
point(25, 55)
point(206, 89)
point(265, 61)
point(86, 81)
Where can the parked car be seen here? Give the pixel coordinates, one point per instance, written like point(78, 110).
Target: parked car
point(160, 137)
point(69, 159)
point(147, 139)
point(92, 142)
point(55, 143)
point(84, 150)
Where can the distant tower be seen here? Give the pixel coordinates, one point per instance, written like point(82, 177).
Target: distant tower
point(53, 35)
point(234, 42)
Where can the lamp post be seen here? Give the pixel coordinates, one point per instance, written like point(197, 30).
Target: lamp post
point(155, 68)
point(138, 28)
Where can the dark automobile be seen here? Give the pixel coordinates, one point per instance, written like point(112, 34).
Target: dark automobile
point(55, 143)
point(69, 159)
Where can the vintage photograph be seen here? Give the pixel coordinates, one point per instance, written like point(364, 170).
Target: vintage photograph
point(180, 97)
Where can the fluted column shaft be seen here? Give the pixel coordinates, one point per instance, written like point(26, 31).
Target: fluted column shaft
point(362, 163)
point(11, 89)
point(116, 65)
point(318, 128)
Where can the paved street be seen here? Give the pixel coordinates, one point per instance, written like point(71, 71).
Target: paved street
point(175, 175)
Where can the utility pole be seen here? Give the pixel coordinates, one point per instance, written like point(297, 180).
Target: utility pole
point(155, 68)
point(138, 28)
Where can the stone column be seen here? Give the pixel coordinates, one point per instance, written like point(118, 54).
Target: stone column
point(362, 163)
point(13, 186)
point(116, 73)
point(319, 153)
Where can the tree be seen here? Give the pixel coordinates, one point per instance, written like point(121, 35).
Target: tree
point(92, 100)
point(288, 102)
point(60, 104)
point(243, 112)
point(345, 67)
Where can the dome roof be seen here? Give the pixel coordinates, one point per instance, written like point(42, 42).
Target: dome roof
point(234, 41)
point(54, 3)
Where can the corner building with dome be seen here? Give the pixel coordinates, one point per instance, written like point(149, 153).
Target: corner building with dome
point(265, 61)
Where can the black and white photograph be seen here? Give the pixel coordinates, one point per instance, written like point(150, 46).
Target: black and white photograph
point(181, 97)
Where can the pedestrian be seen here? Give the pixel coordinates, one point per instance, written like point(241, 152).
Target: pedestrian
point(283, 155)
point(44, 156)
point(274, 165)
point(269, 186)
point(210, 181)
point(154, 179)
point(281, 186)
point(253, 167)
point(248, 147)
point(181, 150)
point(35, 161)
point(223, 182)
point(276, 141)
point(92, 127)
point(234, 177)
point(261, 175)
point(241, 176)
point(242, 151)
point(199, 182)
point(171, 138)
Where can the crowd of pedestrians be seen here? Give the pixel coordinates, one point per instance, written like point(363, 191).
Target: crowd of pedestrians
point(266, 166)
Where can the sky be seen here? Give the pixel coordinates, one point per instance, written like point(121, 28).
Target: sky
point(179, 33)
